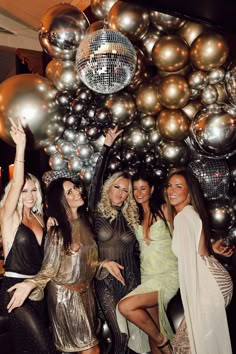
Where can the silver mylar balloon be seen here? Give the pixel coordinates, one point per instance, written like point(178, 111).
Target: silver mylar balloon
point(66, 148)
point(63, 75)
point(216, 75)
point(230, 79)
point(84, 152)
point(147, 122)
point(174, 154)
point(222, 215)
point(80, 138)
point(166, 22)
point(56, 162)
point(209, 95)
point(62, 28)
point(101, 8)
point(213, 177)
point(32, 98)
point(122, 107)
point(214, 130)
point(75, 164)
point(106, 61)
point(198, 79)
point(98, 143)
point(50, 149)
point(69, 135)
point(86, 174)
point(135, 137)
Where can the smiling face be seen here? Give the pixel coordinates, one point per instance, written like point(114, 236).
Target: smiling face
point(119, 191)
point(177, 192)
point(142, 191)
point(29, 194)
point(72, 195)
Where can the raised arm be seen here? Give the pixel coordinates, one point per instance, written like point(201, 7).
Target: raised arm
point(11, 201)
point(97, 181)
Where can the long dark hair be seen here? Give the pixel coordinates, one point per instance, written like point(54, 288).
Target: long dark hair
point(197, 200)
point(57, 206)
point(156, 200)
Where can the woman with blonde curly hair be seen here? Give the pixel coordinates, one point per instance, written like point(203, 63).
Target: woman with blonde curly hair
point(22, 229)
point(114, 213)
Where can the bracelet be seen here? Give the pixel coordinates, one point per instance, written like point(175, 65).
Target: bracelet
point(20, 160)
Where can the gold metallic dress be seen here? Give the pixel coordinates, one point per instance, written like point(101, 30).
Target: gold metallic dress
point(70, 292)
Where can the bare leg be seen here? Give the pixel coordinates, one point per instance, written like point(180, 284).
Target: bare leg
point(135, 309)
point(153, 312)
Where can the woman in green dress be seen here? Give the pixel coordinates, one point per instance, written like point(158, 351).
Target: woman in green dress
point(142, 313)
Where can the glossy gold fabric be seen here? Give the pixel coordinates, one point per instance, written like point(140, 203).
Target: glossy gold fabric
point(72, 313)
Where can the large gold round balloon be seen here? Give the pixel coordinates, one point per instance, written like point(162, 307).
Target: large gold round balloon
point(101, 8)
point(147, 99)
point(173, 124)
point(140, 68)
point(131, 20)
point(190, 31)
point(173, 91)
point(209, 51)
point(32, 98)
point(170, 53)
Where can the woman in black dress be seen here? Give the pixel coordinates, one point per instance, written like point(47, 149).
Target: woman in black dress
point(114, 212)
point(22, 231)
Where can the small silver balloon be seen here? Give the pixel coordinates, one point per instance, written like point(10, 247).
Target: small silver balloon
point(85, 151)
point(122, 108)
point(75, 164)
point(198, 79)
point(209, 95)
point(80, 138)
point(230, 79)
point(50, 149)
point(174, 154)
point(56, 162)
point(69, 135)
point(98, 143)
point(101, 8)
point(216, 75)
point(86, 174)
point(66, 148)
point(135, 137)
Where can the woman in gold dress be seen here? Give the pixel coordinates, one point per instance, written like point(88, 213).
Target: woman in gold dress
point(69, 266)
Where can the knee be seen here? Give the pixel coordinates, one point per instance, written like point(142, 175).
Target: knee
point(123, 307)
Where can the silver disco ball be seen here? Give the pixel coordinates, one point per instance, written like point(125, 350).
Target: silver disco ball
point(106, 61)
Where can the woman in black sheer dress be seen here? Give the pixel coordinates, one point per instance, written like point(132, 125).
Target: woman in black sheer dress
point(22, 231)
point(114, 212)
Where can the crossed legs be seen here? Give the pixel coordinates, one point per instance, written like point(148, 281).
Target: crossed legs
point(142, 310)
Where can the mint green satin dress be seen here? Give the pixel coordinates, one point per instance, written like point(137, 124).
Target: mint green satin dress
point(159, 272)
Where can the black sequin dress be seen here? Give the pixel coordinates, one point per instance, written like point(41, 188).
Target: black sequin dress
point(116, 241)
point(28, 323)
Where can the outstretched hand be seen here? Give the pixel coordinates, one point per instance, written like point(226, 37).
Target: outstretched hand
point(17, 132)
point(21, 292)
point(111, 136)
point(114, 269)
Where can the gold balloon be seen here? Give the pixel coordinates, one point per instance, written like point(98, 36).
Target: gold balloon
point(170, 53)
point(192, 108)
point(173, 124)
point(101, 8)
point(184, 71)
point(190, 31)
point(166, 22)
point(173, 92)
point(147, 99)
point(222, 93)
point(32, 98)
point(209, 51)
point(131, 20)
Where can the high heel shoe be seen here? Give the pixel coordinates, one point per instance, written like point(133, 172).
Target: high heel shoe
point(164, 346)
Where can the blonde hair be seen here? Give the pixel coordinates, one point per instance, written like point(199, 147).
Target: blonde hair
point(38, 206)
point(129, 208)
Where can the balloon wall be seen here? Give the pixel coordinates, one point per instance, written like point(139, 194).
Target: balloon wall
point(168, 82)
